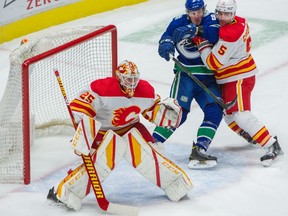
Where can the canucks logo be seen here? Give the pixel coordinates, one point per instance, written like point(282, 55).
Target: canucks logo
point(188, 49)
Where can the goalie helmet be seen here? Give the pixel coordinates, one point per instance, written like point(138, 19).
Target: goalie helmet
point(128, 77)
point(194, 5)
point(227, 6)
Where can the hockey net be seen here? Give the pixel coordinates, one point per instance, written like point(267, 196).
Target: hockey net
point(32, 104)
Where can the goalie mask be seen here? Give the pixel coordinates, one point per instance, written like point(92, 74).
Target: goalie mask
point(128, 77)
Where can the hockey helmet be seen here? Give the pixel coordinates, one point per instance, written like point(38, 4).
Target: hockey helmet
point(128, 77)
point(226, 6)
point(194, 5)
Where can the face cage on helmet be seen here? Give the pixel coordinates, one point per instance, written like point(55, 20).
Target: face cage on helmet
point(128, 81)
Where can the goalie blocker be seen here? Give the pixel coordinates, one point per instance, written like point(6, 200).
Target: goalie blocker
point(132, 146)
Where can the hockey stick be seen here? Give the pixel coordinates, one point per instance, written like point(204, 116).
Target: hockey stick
point(216, 99)
point(103, 203)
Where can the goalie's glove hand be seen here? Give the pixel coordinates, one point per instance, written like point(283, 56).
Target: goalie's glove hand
point(168, 113)
point(184, 32)
point(166, 47)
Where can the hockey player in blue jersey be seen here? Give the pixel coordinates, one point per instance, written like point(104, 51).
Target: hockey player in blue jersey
point(197, 23)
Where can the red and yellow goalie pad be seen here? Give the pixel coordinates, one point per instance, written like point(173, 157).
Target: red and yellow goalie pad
point(155, 167)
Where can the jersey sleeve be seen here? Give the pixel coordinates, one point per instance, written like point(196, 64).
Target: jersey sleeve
point(83, 105)
point(175, 23)
point(218, 56)
point(224, 50)
point(148, 113)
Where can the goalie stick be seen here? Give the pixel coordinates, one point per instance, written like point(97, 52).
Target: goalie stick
point(216, 99)
point(103, 203)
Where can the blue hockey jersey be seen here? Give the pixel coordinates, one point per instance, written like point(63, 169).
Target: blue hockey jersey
point(188, 51)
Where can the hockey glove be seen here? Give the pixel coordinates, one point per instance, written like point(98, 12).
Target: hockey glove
point(184, 32)
point(168, 113)
point(197, 40)
point(166, 47)
point(203, 45)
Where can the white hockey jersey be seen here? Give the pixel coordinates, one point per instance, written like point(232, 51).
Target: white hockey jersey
point(230, 57)
point(105, 101)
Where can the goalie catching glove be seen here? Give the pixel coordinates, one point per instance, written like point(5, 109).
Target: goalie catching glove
point(167, 113)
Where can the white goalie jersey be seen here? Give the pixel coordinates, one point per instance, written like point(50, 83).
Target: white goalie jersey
point(104, 99)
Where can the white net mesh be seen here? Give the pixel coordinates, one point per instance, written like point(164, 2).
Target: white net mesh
point(78, 65)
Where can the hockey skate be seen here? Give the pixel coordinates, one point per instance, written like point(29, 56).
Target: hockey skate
point(273, 152)
point(53, 200)
point(200, 160)
point(247, 137)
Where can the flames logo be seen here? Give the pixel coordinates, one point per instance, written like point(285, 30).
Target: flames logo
point(127, 67)
point(125, 115)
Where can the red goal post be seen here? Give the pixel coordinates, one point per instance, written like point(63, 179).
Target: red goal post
point(32, 104)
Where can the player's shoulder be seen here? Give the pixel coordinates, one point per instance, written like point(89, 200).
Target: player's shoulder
point(103, 82)
point(145, 84)
point(144, 89)
point(180, 17)
point(180, 20)
point(233, 31)
point(209, 17)
point(105, 86)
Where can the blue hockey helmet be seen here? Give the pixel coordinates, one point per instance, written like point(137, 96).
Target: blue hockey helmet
point(193, 5)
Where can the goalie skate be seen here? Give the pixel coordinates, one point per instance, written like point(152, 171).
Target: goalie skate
point(52, 199)
point(200, 160)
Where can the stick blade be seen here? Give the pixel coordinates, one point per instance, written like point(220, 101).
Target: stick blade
point(122, 209)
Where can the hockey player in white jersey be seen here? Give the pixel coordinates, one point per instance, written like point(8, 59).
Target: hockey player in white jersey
point(109, 129)
point(235, 71)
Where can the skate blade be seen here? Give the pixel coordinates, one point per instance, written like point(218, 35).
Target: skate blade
point(57, 205)
point(195, 164)
point(270, 162)
point(254, 145)
point(267, 163)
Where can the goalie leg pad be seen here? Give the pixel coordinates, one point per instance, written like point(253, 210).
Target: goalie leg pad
point(76, 185)
point(71, 190)
point(109, 153)
point(155, 167)
point(178, 189)
point(85, 134)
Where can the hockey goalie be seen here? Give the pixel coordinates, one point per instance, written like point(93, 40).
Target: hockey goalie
point(109, 129)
